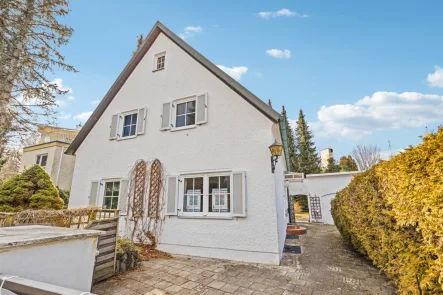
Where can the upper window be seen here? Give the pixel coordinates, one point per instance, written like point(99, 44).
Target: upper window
point(41, 160)
point(185, 115)
point(159, 61)
point(129, 125)
point(111, 194)
point(207, 195)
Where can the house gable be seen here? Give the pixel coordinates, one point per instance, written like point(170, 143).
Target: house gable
point(137, 58)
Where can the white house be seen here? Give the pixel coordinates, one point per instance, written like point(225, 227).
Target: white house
point(212, 136)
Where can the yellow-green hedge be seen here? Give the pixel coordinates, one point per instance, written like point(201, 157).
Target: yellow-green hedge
point(393, 213)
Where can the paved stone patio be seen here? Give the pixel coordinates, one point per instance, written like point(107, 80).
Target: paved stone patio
point(325, 267)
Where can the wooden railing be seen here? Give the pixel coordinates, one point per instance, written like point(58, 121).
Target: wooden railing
point(72, 218)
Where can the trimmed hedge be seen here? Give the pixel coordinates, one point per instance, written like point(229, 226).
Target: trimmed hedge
point(31, 189)
point(393, 214)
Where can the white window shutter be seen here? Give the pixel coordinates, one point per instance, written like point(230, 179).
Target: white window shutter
point(239, 194)
point(93, 194)
point(166, 116)
point(141, 120)
point(123, 196)
point(114, 127)
point(171, 195)
point(201, 109)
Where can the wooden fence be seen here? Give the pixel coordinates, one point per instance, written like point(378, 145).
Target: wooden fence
point(107, 247)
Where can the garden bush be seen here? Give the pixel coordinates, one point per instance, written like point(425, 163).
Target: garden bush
point(303, 201)
point(31, 189)
point(393, 214)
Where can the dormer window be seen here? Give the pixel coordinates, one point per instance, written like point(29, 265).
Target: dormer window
point(159, 61)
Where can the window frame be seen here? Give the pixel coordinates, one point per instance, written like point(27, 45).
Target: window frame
point(175, 104)
point(39, 157)
point(155, 63)
point(122, 122)
point(102, 190)
point(205, 213)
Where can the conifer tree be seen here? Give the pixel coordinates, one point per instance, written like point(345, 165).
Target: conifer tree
point(291, 144)
point(307, 159)
point(348, 164)
point(332, 166)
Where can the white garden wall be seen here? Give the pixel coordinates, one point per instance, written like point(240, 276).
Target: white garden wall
point(325, 186)
point(236, 137)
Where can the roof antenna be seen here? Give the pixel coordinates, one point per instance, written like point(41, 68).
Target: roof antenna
point(269, 103)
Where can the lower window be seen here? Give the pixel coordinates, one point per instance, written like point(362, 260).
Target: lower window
point(206, 195)
point(111, 194)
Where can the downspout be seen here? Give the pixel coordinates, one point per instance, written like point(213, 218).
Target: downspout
point(59, 166)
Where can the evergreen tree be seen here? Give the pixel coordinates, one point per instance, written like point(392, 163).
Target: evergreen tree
point(348, 164)
point(32, 189)
point(332, 166)
point(307, 159)
point(291, 145)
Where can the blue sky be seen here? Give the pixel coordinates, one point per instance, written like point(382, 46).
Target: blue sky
point(362, 71)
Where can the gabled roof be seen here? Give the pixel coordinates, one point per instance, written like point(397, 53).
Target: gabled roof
point(127, 71)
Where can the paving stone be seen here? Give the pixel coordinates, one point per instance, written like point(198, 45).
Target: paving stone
point(258, 287)
point(244, 291)
point(184, 274)
point(274, 291)
point(189, 285)
point(205, 281)
point(228, 288)
point(194, 277)
point(156, 292)
point(173, 289)
point(326, 266)
point(162, 285)
point(216, 284)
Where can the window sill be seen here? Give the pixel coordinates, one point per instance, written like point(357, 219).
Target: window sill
point(157, 70)
point(184, 128)
point(126, 137)
point(205, 217)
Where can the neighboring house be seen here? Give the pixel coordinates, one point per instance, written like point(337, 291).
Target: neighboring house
point(325, 155)
point(212, 137)
point(49, 152)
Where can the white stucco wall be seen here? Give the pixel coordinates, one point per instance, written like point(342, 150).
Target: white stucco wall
point(66, 263)
point(236, 137)
point(325, 186)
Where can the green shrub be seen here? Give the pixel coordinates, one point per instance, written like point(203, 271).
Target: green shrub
point(393, 213)
point(32, 189)
point(64, 194)
point(303, 201)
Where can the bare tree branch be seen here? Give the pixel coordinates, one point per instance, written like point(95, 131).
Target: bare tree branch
point(366, 156)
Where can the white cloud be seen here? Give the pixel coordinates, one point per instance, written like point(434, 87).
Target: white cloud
point(234, 72)
point(265, 14)
point(95, 101)
point(71, 98)
point(381, 111)
point(59, 83)
point(193, 29)
point(435, 79)
point(278, 53)
point(190, 31)
point(281, 12)
point(83, 117)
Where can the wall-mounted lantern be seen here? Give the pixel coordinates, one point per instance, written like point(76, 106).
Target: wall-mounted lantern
point(276, 150)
